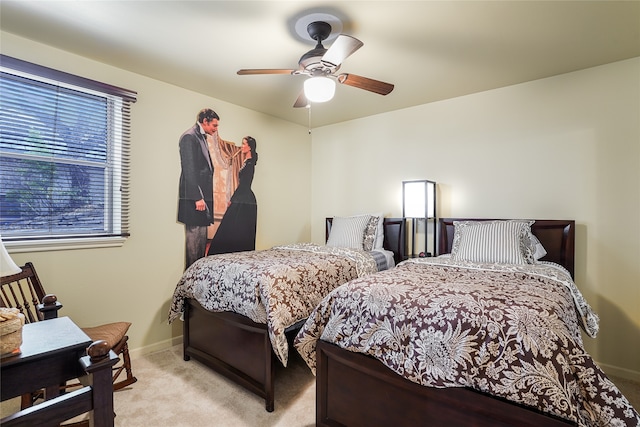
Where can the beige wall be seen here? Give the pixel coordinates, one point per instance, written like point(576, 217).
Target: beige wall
point(566, 147)
point(135, 282)
point(563, 147)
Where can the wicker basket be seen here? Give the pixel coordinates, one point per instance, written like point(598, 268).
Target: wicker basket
point(11, 322)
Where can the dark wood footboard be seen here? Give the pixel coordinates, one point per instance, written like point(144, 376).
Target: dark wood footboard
point(232, 345)
point(353, 389)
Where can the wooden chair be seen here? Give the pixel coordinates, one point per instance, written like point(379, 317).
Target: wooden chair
point(24, 291)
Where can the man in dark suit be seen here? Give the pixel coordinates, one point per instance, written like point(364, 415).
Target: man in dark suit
point(195, 205)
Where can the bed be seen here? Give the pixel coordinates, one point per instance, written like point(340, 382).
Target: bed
point(448, 340)
point(241, 310)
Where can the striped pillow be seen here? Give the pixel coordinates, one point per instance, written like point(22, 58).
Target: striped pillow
point(348, 232)
point(490, 241)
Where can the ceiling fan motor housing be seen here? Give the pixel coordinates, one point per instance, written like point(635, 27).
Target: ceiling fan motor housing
point(319, 31)
point(312, 60)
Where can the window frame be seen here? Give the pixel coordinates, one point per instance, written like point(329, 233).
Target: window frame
point(70, 241)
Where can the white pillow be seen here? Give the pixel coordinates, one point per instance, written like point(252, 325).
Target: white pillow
point(348, 232)
point(540, 250)
point(491, 241)
point(535, 250)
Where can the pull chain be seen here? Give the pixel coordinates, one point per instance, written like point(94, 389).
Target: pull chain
point(309, 108)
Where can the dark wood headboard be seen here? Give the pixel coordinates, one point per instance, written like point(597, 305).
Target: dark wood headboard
point(557, 236)
point(395, 239)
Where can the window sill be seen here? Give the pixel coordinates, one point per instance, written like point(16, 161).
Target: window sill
point(64, 244)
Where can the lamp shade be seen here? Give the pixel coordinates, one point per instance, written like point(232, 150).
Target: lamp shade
point(7, 266)
point(419, 204)
point(319, 89)
point(418, 199)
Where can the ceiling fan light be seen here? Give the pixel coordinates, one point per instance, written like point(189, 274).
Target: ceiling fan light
point(319, 89)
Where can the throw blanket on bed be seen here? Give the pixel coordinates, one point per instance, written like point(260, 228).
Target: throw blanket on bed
point(278, 286)
point(510, 331)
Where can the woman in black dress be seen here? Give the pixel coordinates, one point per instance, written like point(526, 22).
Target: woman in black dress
point(237, 230)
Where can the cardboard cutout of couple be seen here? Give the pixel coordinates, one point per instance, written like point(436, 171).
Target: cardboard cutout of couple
point(216, 203)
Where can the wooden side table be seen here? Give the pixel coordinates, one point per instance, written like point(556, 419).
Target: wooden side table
point(53, 352)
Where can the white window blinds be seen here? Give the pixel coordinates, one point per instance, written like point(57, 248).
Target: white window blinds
point(64, 154)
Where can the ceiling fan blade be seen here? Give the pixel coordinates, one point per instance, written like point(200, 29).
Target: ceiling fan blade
point(264, 71)
point(341, 49)
point(365, 83)
point(301, 101)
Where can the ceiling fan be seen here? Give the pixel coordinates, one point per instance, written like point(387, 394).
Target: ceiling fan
point(324, 63)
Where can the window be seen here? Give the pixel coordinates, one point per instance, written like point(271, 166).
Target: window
point(64, 156)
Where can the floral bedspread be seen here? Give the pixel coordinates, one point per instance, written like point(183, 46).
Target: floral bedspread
point(277, 287)
point(510, 331)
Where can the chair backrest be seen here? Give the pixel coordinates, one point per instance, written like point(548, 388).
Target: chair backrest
point(24, 292)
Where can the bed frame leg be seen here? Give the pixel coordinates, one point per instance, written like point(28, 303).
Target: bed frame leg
point(270, 373)
point(185, 332)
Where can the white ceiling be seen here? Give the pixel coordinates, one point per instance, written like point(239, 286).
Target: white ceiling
point(430, 50)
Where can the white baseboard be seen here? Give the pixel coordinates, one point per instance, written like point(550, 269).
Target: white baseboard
point(615, 371)
point(162, 345)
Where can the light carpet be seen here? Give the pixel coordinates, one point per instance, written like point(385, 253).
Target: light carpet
point(172, 392)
